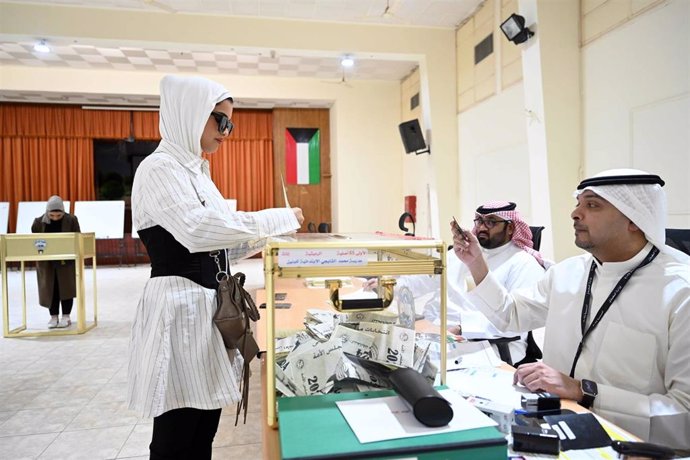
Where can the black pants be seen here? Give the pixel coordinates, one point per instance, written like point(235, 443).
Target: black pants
point(55, 303)
point(184, 434)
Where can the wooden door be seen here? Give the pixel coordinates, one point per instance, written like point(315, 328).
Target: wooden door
point(314, 199)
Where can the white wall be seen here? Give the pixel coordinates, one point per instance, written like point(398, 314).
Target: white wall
point(494, 156)
point(636, 82)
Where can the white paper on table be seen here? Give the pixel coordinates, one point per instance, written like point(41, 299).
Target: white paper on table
point(379, 419)
point(472, 354)
point(493, 384)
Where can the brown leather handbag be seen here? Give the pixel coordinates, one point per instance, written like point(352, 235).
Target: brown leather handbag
point(236, 309)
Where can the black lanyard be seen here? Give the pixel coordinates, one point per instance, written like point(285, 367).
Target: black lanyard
point(607, 303)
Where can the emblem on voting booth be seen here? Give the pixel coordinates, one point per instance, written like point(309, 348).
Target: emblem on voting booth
point(40, 245)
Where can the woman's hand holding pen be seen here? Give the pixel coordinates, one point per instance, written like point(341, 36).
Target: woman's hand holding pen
point(298, 215)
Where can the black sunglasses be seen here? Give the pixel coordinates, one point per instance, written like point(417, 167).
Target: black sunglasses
point(223, 122)
point(489, 224)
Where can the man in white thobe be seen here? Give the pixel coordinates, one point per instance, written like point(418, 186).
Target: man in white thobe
point(506, 242)
point(617, 319)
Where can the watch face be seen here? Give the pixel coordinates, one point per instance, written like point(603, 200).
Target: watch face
point(589, 387)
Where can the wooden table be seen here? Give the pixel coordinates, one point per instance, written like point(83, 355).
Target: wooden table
point(291, 319)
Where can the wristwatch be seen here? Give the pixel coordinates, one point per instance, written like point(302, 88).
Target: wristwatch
point(589, 392)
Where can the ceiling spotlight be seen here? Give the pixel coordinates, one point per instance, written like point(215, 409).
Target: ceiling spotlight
point(514, 29)
point(42, 47)
point(347, 61)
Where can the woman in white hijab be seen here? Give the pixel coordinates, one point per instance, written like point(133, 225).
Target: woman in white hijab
point(179, 371)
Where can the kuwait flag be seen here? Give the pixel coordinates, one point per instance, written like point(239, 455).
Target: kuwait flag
point(302, 158)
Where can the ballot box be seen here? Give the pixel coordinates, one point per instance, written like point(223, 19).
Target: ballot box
point(315, 278)
point(73, 247)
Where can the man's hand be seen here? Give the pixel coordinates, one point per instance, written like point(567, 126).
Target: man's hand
point(467, 249)
point(540, 377)
point(298, 215)
point(465, 245)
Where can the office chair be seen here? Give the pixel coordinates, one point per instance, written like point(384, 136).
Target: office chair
point(679, 238)
point(536, 236)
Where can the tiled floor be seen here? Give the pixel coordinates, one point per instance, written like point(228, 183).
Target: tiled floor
point(64, 397)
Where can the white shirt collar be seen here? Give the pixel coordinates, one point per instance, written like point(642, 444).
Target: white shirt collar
point(614, 268)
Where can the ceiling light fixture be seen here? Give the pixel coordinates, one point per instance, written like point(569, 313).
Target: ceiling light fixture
point(42, 47)
point(347, 61)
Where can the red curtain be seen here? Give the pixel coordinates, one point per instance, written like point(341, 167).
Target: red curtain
point(48, 150)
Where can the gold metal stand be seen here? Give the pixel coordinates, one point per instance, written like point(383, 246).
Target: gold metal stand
point(334, 256)
point(41, 247)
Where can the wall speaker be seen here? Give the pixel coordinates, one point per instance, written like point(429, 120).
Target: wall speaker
point(412, 138)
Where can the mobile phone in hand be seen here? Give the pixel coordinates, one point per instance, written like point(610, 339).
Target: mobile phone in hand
point(462, 232)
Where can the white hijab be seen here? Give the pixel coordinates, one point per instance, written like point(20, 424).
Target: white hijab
point(643, 204)
point(186, 103)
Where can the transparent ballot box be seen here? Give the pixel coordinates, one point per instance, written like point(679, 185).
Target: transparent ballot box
point(335, 318)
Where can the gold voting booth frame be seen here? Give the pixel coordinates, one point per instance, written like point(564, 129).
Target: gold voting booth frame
point(45, 247)
point(393, 256)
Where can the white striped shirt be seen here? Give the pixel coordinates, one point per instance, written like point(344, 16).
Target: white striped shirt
point(177, 356)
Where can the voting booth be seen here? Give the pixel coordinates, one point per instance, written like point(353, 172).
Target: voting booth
point(76, 247)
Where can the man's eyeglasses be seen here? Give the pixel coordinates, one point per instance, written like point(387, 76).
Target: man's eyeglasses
point(489, 223)
point(223, 122)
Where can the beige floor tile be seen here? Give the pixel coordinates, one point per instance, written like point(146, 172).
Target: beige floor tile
point(111, 392)
point(245, 452)
point(102, 443)
point(92, 376)
point(104, 414)
point(38, 421)
point(230, 435)
point(25, 447)
point(17, 400)
point(74, 396)
point(4, 415)
point(64, 397)
point(137, 444)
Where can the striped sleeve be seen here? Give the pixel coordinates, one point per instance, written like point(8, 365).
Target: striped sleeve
point(165, 195)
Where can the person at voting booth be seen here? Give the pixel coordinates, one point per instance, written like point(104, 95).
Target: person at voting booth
point(179, 372)
point(56, 278)
point(617, 319)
